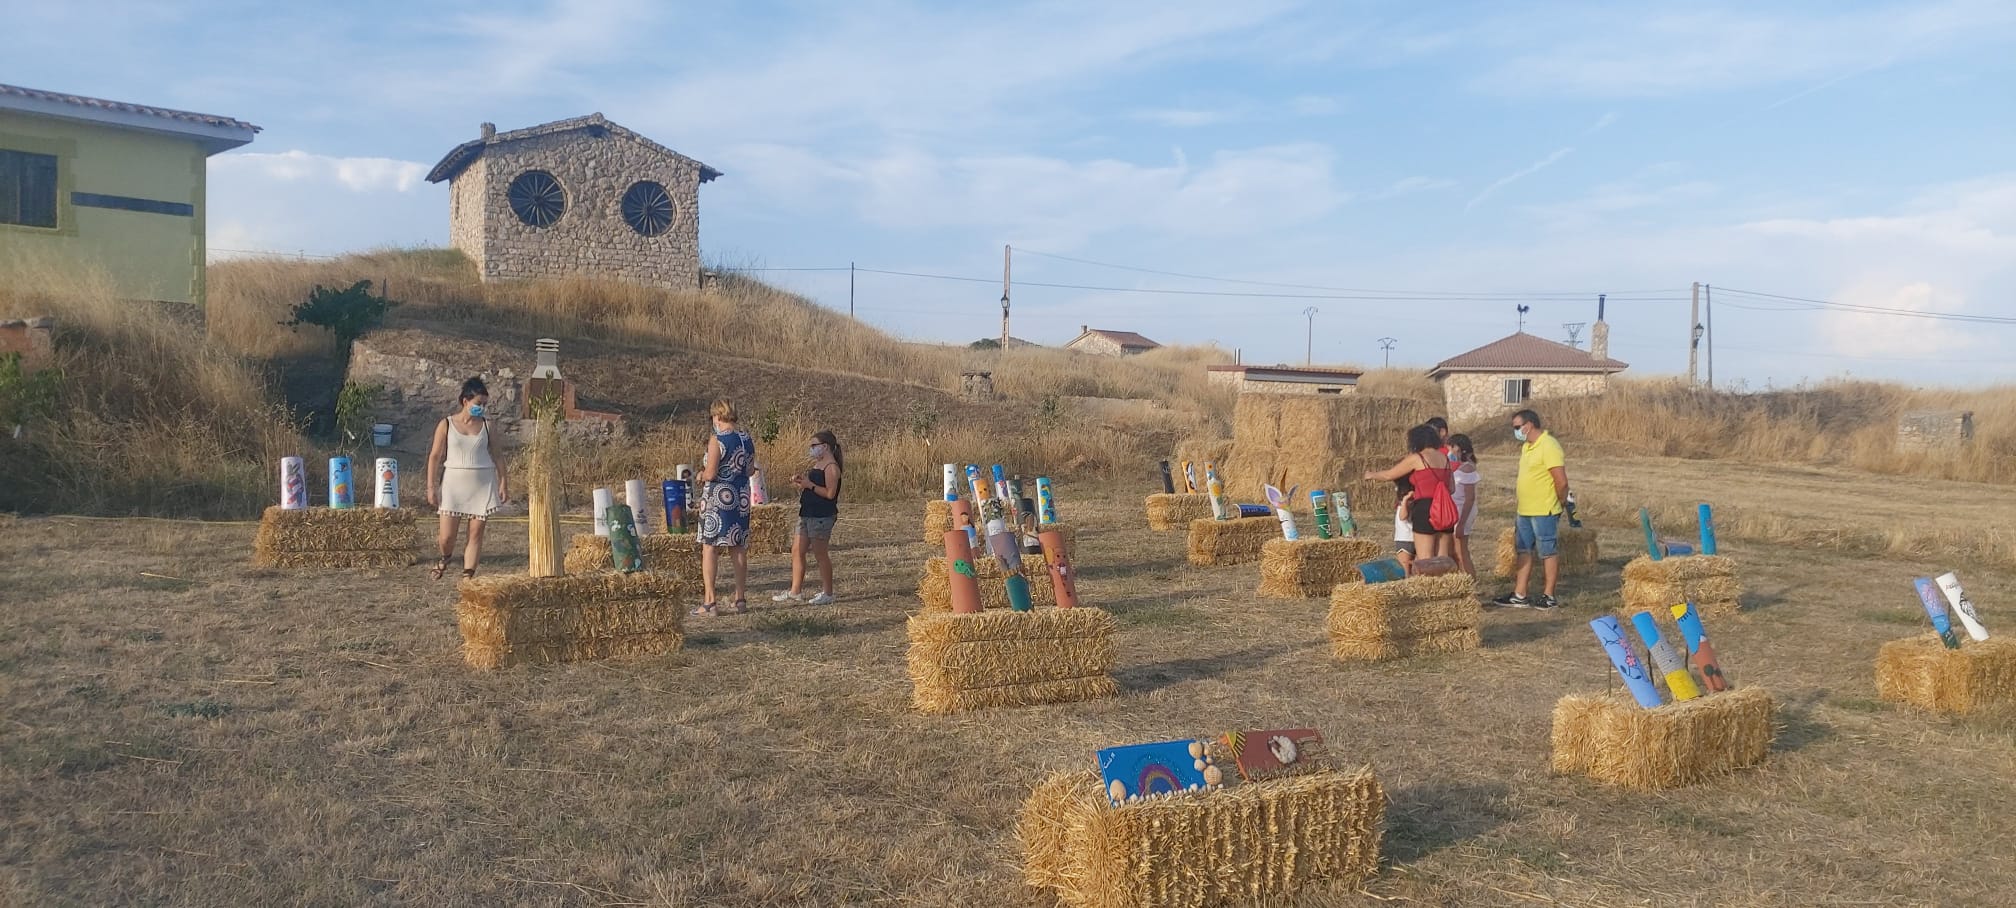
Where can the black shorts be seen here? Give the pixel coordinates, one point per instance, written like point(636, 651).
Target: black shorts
point(1417, 514)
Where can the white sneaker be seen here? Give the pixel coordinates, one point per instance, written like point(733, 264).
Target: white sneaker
point(821, 599)
point(787, 596)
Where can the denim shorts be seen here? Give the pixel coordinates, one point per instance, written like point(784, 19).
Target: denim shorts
point(816, 527)
point(1538, 533)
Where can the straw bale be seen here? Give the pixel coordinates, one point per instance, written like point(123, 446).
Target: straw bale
point(1614, 740)
point(1320, 442)
point(1311, 568)
point(1199, 451)
point(326, 537)
point(1577, 547)
point(1708, 581)
point(1237, 845)
point(1235, 541)
point(1174, 512)
point(1375, 622)
point(1922, 672)
point(665, 553)
point(515, 619)
point(771, 527)
point(937, 520)
point(935, 592)
point(965, 662)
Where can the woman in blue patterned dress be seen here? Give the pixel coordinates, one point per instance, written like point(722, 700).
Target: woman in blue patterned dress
point(724, 511)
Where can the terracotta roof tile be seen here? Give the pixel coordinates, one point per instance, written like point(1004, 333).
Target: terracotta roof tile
point(462, 155)
point(1123, 338)
point(1523, 352)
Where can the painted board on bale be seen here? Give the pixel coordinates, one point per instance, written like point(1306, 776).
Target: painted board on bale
point(1612, 739)
point(335, 538)
point(1253, 842)
point(1312, 442)
point(1174, 512)
point(1920, 671)
point(935, 594)
point(1309, 568)
point(512, 620)
point(1708, 581)
point(964, 662)
point(1577, 548)
point(1214, 543)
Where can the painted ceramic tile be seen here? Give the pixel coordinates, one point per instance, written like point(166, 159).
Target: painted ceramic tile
point(1135, 771)
point(1270, 753)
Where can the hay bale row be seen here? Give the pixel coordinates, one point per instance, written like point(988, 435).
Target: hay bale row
point(1577, 547)
point(1174, 512)
point(670, 553)
point(1237, 845)
point(334, 538)
point(1377, 622)
point(1320, 442)
point(1613, 739)
point(1236, 541)
point(966, 662)
point(518, 620)
point(1708, 581)
point(1311, 568)
point(935, 592)
point(1922, 672)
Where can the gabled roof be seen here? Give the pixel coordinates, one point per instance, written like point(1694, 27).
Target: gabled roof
point(466, 153)
point(1523, 352)
point(1123, 338)
point(213, 132)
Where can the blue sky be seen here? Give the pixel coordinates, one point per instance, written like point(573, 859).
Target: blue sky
point(1849, 152)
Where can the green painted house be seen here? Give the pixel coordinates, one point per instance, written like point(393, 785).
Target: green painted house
point(107, 185)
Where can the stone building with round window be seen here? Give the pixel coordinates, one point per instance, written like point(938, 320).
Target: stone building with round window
point(577, 197)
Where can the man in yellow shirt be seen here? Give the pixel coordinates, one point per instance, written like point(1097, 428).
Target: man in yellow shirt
point(1543, 490)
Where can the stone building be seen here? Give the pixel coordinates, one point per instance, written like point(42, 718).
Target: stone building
point(1926, 430)
point(1285, 379)
point(1109, 343)
point(582, 197)
point(1522, 370)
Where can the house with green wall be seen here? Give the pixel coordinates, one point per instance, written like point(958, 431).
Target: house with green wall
point(87, 183)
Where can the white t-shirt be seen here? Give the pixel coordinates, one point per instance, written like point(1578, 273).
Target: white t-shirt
point(1403, 529)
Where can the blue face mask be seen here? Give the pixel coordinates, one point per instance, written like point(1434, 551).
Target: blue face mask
point(475, 411)
point(1519, 433)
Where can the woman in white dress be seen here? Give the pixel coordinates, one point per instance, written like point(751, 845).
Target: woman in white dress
point(465, 477)
point(1464, 456)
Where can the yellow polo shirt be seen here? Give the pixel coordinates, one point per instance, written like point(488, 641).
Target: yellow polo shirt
point(1537, 460)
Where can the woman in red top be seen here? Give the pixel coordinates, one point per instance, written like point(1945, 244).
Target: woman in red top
point(1428, 469)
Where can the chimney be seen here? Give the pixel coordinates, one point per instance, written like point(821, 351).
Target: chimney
point(488, 131)
point(1084, 330)
point(1599, 333)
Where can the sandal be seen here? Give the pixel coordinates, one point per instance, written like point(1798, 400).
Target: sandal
point(468, 573)
point(442, 568)
point(710, 610)
point(741, 606)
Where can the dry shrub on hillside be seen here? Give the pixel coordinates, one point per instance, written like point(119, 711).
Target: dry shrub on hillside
point(153, 418)
point(1846, 423)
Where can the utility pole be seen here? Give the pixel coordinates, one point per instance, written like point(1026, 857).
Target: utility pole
point(1309, 349)
point(1386, 344)
point(1007, 259)
point(1694, 340)
point(1708, 292)
point(850, 289)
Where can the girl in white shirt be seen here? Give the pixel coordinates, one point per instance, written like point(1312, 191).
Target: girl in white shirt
point(1463, 457)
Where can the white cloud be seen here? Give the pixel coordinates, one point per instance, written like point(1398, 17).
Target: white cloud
point(1183, 117)
point(298, 201)
point(1518, 175)
point(1884, 335)
point(1412, 185)
point(354, 174)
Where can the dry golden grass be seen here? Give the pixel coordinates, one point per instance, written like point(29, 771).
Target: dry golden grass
point(153, 418)
point(208, 733)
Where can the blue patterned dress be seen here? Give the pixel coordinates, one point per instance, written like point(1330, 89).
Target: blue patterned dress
point(724, 513)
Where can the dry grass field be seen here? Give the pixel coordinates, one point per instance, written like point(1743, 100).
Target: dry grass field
point(182, 729)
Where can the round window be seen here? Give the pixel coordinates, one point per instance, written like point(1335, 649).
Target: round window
point(647, 208)
point(537, 199)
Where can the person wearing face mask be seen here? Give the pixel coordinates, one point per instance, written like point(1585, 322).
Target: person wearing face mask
point(724, 508)
point(818, 509)
point(1543, 491)
point(1463, 460)
point(465, 477)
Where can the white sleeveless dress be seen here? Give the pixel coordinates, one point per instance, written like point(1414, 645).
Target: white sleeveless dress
point(1465, 490)
point(469, 484)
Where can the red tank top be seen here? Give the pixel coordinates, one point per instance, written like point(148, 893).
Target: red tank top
point(1428, 481)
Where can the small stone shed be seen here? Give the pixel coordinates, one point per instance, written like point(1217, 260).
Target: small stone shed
point(575, 197)
point(1285, 379)
point(1514, 372)
point(1103, 342)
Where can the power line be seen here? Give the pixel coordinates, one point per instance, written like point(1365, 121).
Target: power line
point(1574, 295)
point(1168, 291)
point(1880, 310)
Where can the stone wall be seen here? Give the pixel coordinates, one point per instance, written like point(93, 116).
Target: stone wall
point(1475, 397)
point(1928, 430)
point(590, 238)
point(1251, 386)
point(33, 338)
point(416, 393)
point(1098, 345)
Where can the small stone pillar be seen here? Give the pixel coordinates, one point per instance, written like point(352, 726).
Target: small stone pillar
point(976, 385)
